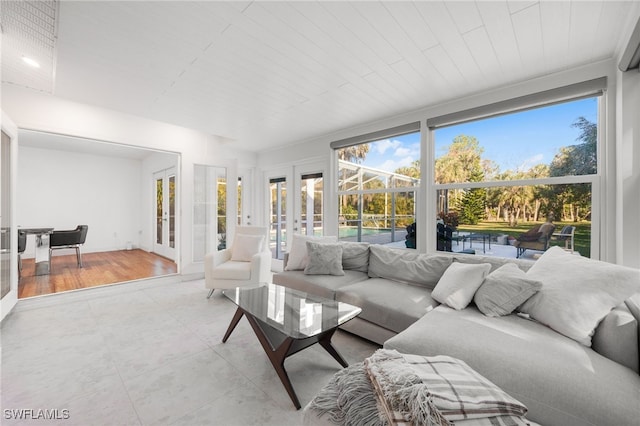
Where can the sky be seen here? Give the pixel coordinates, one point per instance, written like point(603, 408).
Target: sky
point(514, 141)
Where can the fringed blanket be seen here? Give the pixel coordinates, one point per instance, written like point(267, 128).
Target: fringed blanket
point(391, 388)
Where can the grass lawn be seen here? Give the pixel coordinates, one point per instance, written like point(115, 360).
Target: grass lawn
point(582, 238)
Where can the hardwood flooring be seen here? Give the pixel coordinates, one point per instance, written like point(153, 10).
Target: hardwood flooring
point(98, 269)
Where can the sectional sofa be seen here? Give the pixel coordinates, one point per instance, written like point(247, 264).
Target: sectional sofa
point(569, 350)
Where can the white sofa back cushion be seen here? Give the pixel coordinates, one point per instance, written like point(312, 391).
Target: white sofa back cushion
point(355, 256)
point(617, 338)
point(406, 265)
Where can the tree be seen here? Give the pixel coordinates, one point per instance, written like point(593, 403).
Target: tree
point(574, 201)
point(354, 153)
point(412, 171)
point(463, 158)
point(473, 203)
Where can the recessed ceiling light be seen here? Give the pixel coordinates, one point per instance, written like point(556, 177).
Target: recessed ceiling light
point(31, 62)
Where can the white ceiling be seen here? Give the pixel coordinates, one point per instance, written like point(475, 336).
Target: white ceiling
point(266, 74)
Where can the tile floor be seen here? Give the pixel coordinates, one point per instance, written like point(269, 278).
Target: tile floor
point(150, 353)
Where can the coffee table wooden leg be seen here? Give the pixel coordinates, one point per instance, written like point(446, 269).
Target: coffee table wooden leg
point(234, 321)
point(277, 357)
point(325, 341)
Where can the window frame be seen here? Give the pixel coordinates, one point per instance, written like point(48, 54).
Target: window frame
point(416, 127)
point(592, 88)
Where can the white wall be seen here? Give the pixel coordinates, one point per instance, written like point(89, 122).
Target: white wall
point(62, 189)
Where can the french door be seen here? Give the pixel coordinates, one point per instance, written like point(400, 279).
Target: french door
point(9, 250)
point(308, 205)
point(164, 239)
point(298, 193)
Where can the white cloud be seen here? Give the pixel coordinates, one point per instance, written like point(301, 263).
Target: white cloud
point(393, 165)
point(382, 146)
point(402, 152)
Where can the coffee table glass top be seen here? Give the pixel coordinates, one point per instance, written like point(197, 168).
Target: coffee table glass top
point(294, 313)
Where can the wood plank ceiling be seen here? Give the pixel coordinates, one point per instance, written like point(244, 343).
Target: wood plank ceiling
point(266, 74)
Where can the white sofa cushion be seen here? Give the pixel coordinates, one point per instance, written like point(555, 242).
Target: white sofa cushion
point(561, 381)
point(395, 306)
point(617, 338)
point(355, 256)
point(577, 293)
point(406, 265)
point(459, 283)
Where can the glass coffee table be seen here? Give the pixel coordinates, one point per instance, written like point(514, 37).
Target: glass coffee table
point(287, 321)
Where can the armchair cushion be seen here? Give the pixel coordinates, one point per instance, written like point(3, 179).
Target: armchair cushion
point(232, 271)
point(245, 246)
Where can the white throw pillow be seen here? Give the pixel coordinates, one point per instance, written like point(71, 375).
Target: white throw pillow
point(459, 283)
point(298, 257)
point(577, 292)
point(245, 246)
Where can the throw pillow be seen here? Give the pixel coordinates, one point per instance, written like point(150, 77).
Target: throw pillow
point(298, 257)
point(245, 246)
point(355, 256)
point(577, 293)
point(504, 290)
point(324, 259)
point(459, 283)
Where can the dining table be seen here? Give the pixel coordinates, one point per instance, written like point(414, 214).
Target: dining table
point(42, 237)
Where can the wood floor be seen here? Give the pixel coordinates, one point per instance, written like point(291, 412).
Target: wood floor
point(98, 269)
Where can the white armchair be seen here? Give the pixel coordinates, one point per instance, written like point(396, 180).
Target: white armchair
point(246, 262)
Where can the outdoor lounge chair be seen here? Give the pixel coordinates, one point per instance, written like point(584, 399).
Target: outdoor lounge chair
point(567, 234)
point(536, 238)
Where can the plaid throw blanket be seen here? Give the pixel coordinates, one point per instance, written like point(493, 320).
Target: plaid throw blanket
point(417, 390)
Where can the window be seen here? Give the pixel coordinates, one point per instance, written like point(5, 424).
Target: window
point(209, 210)
point(502, 175)
point(311, 204)
point(278, 216)
point(377, 182)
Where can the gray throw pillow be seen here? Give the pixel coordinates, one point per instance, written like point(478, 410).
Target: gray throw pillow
point(355, 256)
point(324, 259)
point(504, 290)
